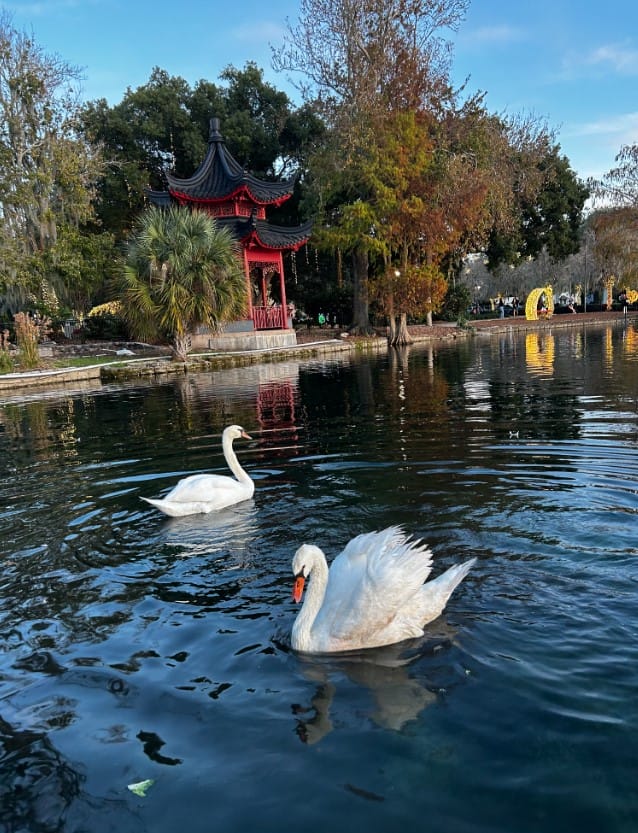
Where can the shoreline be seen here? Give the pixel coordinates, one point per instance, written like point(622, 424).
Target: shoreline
point(310, 343)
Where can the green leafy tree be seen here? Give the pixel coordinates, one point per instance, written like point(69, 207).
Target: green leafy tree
point(182, 270)
point(549, 214)
point(148, 132)
point(47, 170)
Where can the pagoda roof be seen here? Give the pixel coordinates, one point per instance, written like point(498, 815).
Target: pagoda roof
point(159, 198)
point(220, 177)
point(250, 231)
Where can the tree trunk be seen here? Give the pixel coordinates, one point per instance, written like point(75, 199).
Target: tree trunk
point(392, 331)
point(401, 335)
point(360, 305)
point(181, 348)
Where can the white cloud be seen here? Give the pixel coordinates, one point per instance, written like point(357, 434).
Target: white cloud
point(37, 9)
point(499, 34)
point(259, 32)
point(609, 58)
point(624, 124)
point(620, 58)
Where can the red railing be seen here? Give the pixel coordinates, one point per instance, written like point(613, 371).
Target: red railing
point(269, 318)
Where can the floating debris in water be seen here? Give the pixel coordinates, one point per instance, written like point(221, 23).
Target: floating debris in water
point(141, 787)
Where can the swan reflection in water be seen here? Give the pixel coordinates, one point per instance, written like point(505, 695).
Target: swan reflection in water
point(398, 697)
point(232, 529)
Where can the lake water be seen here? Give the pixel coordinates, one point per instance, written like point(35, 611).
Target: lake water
point(135, 647)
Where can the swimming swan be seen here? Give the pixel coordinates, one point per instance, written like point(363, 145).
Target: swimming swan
point(372, 595)
point(208, 492)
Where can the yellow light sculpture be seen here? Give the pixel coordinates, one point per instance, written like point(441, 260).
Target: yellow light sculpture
point(531, 311)
point(608, 283)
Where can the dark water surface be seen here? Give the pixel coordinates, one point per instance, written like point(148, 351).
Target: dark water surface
point(134, 647)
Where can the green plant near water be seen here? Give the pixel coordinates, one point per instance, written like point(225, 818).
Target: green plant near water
point(6, 362)
point(27, 340)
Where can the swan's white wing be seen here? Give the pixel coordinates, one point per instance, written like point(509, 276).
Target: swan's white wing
point(207, 488)
point(370, 582)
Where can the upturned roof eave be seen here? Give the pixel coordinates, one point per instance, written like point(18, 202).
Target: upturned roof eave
point(228, 180)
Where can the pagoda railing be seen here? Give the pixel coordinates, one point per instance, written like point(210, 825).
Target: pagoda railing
point(269, 318)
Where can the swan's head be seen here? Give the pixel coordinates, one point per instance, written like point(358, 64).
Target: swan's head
point(234, 432)
point(302, 564)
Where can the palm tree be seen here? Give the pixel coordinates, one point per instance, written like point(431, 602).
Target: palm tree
point(182, 270)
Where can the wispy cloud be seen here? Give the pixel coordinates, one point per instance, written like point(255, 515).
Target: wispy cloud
point(35, 9)
point(501, 34)
point(622, 58)
point(259, 32)
point(622, 125)
point(616, 58)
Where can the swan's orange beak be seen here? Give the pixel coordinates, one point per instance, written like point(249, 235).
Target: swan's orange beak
point(246, 436)
point(297, 590)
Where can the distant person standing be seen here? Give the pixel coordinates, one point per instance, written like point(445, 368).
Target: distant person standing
point(624, 301)
point(501, 308)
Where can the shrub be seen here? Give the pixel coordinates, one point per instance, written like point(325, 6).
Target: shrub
point(105, 326)
point(27, 340)
point(6, 362)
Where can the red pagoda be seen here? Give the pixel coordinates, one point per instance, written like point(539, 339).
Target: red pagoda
point(238, 201)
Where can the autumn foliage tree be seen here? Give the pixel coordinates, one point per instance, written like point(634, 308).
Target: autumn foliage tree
point(615, 224)
point(359, 59)
point(410, 176)
point(616, 244)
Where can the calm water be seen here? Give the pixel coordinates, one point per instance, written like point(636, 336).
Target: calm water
point(133, 646)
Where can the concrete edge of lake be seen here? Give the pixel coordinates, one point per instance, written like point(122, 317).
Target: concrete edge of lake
point(311, 344)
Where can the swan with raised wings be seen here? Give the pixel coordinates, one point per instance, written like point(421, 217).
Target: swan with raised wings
point(203, 493)
point(373, 594)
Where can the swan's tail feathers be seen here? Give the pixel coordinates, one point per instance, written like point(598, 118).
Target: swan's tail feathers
point(439, 590)
point(156, 502)
point(166, 508)
point(152, 501)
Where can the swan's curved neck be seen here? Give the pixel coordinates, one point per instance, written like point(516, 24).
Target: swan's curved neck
point(317, 583)
point(233, 462)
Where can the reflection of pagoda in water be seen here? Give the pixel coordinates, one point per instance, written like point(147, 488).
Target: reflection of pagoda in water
point(276, 405)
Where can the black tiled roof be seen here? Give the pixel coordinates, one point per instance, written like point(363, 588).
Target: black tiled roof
point(220, 175)
point(160, 198)
point(266, 234)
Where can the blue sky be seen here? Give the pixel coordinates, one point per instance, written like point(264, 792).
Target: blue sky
point(573, 64)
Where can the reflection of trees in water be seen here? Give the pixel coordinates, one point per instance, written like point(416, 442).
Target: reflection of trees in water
point(37, 786)
point(42, 792)
point(49, 427)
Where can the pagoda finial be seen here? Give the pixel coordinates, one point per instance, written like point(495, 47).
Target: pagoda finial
point(214, 135)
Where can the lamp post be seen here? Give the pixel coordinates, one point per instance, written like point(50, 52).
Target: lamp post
point(477, 289)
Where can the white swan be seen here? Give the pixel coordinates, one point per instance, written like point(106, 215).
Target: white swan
point(209, 492)
point(372, 595)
